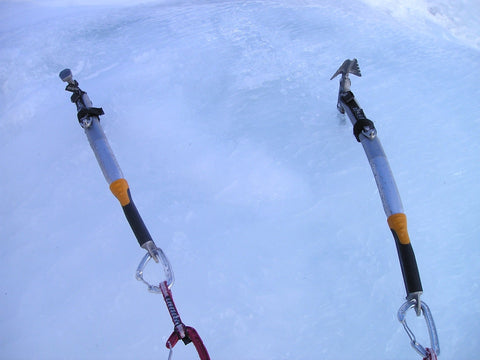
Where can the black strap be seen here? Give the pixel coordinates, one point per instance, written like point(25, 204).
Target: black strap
point(360, 125)
point(361, 120)
point(92, 111)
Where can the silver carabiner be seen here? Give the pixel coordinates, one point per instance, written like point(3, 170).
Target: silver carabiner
point(166, 268)
point(432, 330)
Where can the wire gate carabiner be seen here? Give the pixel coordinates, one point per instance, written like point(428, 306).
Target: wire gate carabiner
point(432, 330)
point(169, 278)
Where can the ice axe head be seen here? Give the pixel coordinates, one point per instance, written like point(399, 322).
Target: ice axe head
point(348, 67)
point(66, 75)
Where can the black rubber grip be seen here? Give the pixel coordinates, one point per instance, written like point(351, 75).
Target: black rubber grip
point(409, 267)
point(136, 222)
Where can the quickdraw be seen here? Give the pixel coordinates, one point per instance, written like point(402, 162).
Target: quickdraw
point(365, 133)
point(88, 117)
point(180, 331)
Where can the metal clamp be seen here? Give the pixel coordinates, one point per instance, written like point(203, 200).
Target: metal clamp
point(166, 268)
point(432, 331)
point(369, 132)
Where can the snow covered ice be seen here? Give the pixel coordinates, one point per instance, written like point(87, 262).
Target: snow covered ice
point(223, 119)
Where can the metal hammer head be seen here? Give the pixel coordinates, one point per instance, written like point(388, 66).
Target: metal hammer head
point(66, 75)
point(348, 67)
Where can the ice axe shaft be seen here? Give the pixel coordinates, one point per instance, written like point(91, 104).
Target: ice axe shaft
point(88, 117)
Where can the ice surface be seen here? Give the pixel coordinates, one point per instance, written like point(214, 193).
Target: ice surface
point(224, 122)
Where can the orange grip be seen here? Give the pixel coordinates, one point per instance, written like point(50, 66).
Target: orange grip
point(398, 223)
point(119, 188)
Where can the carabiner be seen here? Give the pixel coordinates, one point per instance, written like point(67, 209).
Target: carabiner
point(432, 331)
point(166, 268)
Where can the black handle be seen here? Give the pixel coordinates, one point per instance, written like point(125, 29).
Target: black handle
point(408, 263)
point(121, 191)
